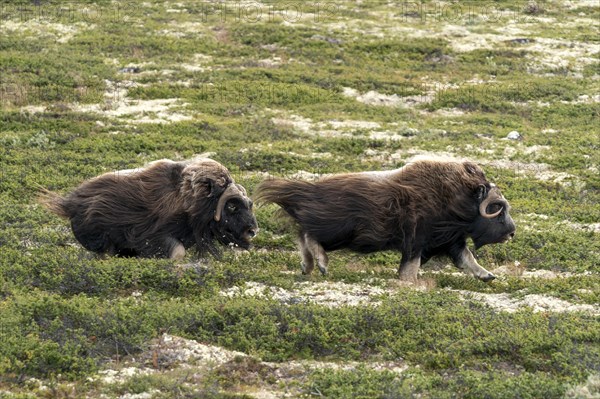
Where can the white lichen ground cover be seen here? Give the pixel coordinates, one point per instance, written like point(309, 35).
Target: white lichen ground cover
point(547, 40)
point(170, 353)
point(336, 294)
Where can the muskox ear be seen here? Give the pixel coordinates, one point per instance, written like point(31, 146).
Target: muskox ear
point(205, 178)
point(471, 168)
point(207, 185)
point(202, 183)
point(216, 187)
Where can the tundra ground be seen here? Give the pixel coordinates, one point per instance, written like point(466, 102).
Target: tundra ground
point(301, 89)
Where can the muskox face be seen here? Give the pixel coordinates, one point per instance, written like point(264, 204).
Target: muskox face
point(493, 223)
point(235, 222)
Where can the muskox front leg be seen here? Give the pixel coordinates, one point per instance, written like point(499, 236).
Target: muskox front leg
point(177, 251)
point(409, 267)
point(463, 259)
point(169, 247)
point(311, 250)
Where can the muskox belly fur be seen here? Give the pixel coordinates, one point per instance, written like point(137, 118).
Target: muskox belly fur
point(159, 210)
point(427, 208)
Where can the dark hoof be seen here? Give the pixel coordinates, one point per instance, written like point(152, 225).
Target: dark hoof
point(488, 278)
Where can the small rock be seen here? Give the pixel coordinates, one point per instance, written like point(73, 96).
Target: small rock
point(270, 47)
point(521, 40)
point(331, 40)
point(294, 300)
point(439, 58)
point(130, 70)
point(412, 14)
point(514, 135)
point(533, 8)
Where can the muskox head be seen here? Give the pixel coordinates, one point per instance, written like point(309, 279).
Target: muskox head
point(220, 207)
point(234, 223)
point(493, 223)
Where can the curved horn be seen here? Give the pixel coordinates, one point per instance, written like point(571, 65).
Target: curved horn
point(493, 195)
point(232, 191)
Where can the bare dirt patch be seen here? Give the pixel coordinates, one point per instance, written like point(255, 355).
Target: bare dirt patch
point(464, 40)
point(518, 270)
point(171, 351)
point(433, 89)
point(112, 376)
point(557, 53)
point(298, 122)
point(178, 29)
point(330, 294)
point(336, 128)
point(465, 36)
point(117, 104)
point(504, 302)
point(590, 389)
point(39, 29)
point(374, 98)
point(256, 378)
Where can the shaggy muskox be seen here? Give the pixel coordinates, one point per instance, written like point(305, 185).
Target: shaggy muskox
point(424, 209)
point(159, 210)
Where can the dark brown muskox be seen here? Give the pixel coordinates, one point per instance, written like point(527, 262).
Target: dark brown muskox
point(424, 209)
point(159, 210)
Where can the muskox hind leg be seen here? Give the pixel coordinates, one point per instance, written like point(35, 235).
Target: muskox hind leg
point(311, 250)
point(91, 237)
point(308, 262)
point(464, 260)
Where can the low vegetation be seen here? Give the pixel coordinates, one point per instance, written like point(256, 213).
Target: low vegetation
point(301, 89)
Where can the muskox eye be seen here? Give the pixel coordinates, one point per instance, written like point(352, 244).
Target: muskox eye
point(231, 208)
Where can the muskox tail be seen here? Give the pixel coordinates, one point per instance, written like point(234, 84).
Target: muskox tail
point(290, 195)
point(54, 202)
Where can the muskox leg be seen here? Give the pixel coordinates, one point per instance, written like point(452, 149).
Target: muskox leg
point(308, 262)
point(172, 248)
point(464, 260)
point(177, 251)
point(162, 247)
point(409, 268)
point(90, 237)
point(311, 250)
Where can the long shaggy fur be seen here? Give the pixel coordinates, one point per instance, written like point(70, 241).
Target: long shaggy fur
point(422, 208)
point(146, 212)
point(368, 211)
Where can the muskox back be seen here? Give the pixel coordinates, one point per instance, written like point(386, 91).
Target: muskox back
point(341, 213)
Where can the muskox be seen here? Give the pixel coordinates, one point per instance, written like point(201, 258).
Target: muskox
point(159, 210)
point(426, 208)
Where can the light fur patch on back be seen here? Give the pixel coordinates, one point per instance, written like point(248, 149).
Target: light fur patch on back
point(435, 157)
point(425, 157)
point(380, 174)
point(127, 172)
